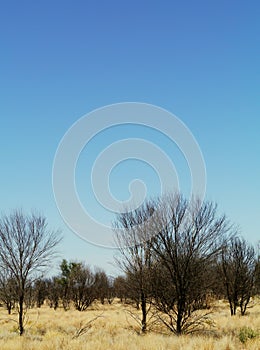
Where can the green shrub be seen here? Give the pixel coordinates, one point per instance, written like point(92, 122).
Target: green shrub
point(246, 333)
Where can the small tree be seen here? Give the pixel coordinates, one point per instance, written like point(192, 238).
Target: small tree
point(26, 248)
point(102, 285)
point(121, 289)
point(132, 237)
point(64, 281)
point(40, 291)
point(8, 291)
point(238, 273)
point(257, 282)
point(257, 271)
point(82, 284)
point(54, 291)
point(111, 290)
point(77, 283)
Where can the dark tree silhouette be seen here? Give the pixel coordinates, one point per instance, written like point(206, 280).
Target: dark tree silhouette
point(101, 285)
point(189, 237)
point(168, 249)
point(8, 290)
point(132, 237)
point(26, 248)
point(238, 273)
point(77, 283)
point(82, 284)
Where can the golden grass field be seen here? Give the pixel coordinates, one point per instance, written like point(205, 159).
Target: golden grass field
point(116, 330)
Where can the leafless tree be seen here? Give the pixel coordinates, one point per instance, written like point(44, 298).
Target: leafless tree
point(54, 291)
point(190, 235)
point(132, 237)
point(120, 288)
point(8, 290)
point(257, 271)
point(77, 283)
point(238, 273)
point(40, 291)
point(82, 286)
point(257, 281)
point(168, 247)
point(101, 285)
point(111, 290)
point(26, 248)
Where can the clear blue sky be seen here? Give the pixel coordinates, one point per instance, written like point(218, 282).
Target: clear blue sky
point(197, 59)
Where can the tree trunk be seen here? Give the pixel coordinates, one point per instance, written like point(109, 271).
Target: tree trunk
point(9, 308)
point(231, 310)
point(56, 304)
point(231, 306)
point(178, 324)
point(143, 306)
point(20, 316)
point(243, 305)
point(179, 318)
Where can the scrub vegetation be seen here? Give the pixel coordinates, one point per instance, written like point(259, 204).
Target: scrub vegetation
point(189, 281)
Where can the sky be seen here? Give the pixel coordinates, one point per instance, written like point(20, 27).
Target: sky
point(60, 60)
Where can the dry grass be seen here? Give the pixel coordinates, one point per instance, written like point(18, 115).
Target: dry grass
point(116, 330)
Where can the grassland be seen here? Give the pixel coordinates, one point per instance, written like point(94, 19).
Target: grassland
point(116, 330)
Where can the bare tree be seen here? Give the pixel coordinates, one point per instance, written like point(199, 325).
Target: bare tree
point(168, 249)
point(187, 246)
point(54, 291)
point(257, 271)
point(111, 290)
point(26, 248)
point(257, 279)
point(120, 288)
point(238, 273)
point(101, 285)
point(40, 291)
point(132, 237)
point(77, 283)
point(8, 290)
point(188, 239)
point(82, 286)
